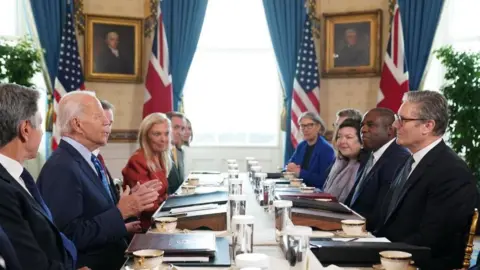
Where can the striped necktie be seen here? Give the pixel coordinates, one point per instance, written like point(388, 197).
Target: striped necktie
point(102, 175)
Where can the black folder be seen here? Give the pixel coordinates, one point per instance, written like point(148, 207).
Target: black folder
point(363, 253)
point(218, 197)
point(221, 258)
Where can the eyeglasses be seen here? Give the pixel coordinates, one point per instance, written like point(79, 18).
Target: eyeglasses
point(307, 126)
point(402, 120)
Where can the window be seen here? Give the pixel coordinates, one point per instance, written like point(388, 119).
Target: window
point(457, 27)
point(17, 23)
point(232, 93)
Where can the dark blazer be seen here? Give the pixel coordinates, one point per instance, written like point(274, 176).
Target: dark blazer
point(82, 209)
point(137, 172)
point(322, 158)
point(435, 208)
point(7, 253)
point(377, 183)
point(176, 175)
point(36, 240)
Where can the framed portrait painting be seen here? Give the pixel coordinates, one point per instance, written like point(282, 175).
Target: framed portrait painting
point(353, 43)
point(113, 49)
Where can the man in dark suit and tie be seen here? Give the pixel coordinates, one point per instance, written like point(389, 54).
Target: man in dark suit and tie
point(24, 217)
point(373, 180)
point(177, 174)
point(74, 185)
point(431, 201)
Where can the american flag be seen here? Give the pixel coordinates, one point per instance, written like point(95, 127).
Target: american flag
point(306, 89)
point(69, 75)
point(158, 86)
point(394, 80)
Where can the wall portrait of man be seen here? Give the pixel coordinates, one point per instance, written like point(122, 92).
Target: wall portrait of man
point(113, 49)
point(352, 44)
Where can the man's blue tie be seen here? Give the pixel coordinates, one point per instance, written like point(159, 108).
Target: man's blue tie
point(32, 188)
point(102, 175)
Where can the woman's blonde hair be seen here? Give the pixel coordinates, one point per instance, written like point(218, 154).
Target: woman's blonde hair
point(145, 126)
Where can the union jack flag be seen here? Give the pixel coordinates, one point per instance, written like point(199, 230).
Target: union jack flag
point(158, 86)
point(69, 75)
point(306, 86)
point(394, 80)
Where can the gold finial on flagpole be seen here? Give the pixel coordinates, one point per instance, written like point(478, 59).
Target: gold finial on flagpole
point(311, 6)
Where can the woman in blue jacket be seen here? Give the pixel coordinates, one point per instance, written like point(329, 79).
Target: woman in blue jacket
point(314, 154)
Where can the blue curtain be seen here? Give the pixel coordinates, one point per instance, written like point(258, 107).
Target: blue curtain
point(183, 21)
point(420, 20)
point(285, 19)
point(49, 16)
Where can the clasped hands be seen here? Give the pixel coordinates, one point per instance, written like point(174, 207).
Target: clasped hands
point(292, 167)
point(138, 199)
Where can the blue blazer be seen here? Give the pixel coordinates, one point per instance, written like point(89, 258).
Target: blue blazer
point(7, 253)
point(377, 183)
point(82, 209)
point(322, 157)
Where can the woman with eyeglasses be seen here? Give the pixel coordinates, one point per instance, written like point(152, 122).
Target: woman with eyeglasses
point(314, 154)
point(341, 177)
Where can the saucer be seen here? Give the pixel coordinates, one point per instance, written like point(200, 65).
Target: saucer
point(344, 235)
point(380, 267)
point(155, 230)
point(322, 234)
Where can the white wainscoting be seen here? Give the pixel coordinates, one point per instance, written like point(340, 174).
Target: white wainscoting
point(116, 156)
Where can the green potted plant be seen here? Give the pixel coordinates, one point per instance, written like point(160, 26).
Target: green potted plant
point(462, 90)
point(19, 61)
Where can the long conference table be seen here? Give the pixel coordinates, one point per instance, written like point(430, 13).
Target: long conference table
point(264, 232)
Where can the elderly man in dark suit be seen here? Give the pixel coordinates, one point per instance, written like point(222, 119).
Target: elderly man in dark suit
point(433, 196)
point(8, 257)
point(24, 217)
point(74, 185)
point(384, 158)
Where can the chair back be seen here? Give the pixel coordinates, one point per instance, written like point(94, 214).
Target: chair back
point(471, 236)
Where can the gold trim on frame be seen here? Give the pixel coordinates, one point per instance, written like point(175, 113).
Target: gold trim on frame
point(374, 67)
point(112, 77)
point(123, 136)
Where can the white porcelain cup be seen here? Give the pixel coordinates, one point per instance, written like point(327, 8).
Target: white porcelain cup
point(296, 182)
point(193, 181)
point(353, 227)
point(288, 175)
point(147, 259)
point(395, 260)
point(188, 189)
point(166, 224)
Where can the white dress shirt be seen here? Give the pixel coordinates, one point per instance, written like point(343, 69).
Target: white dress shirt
point(15, 169)
point(378, 154)
point(418, 156)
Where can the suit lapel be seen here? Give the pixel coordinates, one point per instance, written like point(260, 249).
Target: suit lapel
point(86, 168)
point(417, 173)
point(35, 205)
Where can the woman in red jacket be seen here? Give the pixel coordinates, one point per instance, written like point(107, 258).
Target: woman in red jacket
point(151, 161)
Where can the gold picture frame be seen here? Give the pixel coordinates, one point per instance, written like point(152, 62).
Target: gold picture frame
point(113, 48)
point(353, 43)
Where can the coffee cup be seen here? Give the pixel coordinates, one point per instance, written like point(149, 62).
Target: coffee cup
point(353, 227)
point(166, 224)
point(296, 182)
point(147, 259)
point(193, 181)
point(188, 189)
point(395, 260)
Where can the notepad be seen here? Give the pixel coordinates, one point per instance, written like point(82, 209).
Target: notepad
point(193, 208)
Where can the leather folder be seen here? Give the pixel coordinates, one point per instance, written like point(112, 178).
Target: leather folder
point(274, 175)
point(194, 244)
point(216, 197)
point(221, 258)
point(332, 206)
point(363, 253)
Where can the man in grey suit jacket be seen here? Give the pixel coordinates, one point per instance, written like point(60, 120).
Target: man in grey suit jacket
point(177, 174)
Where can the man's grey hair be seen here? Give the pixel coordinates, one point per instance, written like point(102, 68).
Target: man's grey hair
point(112, 34)
point(107, 105)
point(431, 105)
point(69, 107)
point(172, 114)
point(350, 113)
point(315, 118)
point(17, 104)
point(350, 30)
